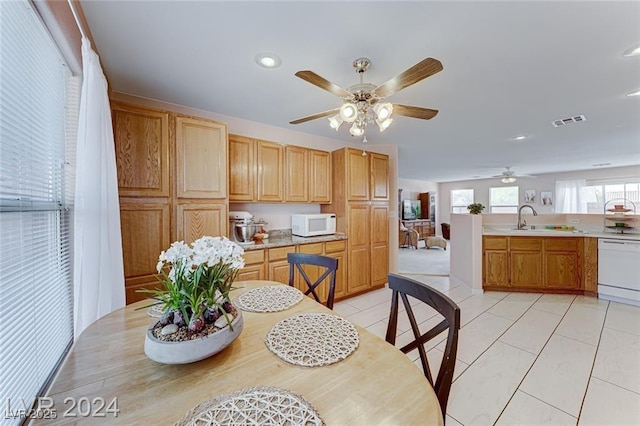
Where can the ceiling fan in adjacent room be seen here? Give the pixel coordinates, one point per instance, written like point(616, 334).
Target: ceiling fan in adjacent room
point(362, 103)
point(509, 176)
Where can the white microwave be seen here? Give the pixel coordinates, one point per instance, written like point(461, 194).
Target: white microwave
point(310, 225)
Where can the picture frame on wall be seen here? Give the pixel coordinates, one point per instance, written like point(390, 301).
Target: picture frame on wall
point(546, 198)
point(530, 196)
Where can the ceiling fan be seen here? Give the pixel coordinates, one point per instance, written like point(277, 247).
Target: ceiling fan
point(509, 176)
point(361, 102)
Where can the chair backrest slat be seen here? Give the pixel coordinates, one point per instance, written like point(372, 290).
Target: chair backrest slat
point(298, 260)
point(403, 287)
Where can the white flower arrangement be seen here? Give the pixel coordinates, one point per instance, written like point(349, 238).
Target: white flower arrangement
point(197, 285)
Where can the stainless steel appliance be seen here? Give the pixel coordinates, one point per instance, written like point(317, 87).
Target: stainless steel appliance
point(619, 270)
point(242, 228)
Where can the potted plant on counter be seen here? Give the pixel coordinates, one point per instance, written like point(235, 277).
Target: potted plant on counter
point(198, 318)
point(475, 208)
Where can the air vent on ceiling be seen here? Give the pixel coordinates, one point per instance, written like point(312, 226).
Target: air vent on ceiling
point(570, 120)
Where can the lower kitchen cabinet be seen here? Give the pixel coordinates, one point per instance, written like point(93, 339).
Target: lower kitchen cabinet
point(272, 264)
point(254, 266)
point(548, 264)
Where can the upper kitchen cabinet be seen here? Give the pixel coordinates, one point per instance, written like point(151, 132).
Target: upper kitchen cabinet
point(366, 177)
point(201, 158)
point(242, 168)
point(320, 176)
point(256, 170)
point(297, 183)
point(357, 174)
point(141, 138)
point(270, 158)
point(379, 185)
point(308, 174)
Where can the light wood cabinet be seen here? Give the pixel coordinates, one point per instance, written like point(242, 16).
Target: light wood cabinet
point(525, 263)
point(547, 264)
point(198, 220)
point(254, 266)
point(320, 176)
point(379, 186)
point(201, 158)
point(495, 271)
point(379, 243)
point(172, 178)
point(278, 265)
point(362, 217)
point(297, 182)
point(145, 234)
point(242, 169)
point(256, 170)
point(359, 218)
point(270, 157)
point(356, 176)
point(338, 250)
point(141, 137)
point(562, 263)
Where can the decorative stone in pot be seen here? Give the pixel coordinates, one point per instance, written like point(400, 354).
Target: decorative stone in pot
point(187, 351)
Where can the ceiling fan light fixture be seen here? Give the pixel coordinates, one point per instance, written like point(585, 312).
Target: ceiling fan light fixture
point(383, 124)
point(335, 122)
point(508, 179)
point(383, 110)
point(356, 130)
point(349, 112)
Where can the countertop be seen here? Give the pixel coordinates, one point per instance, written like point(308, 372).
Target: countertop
point(291, 240)
point(556, 233)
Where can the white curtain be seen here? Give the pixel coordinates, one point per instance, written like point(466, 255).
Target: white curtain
point(570, 196)
point(98, 269)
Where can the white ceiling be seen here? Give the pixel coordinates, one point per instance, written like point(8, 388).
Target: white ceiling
point(510, 68)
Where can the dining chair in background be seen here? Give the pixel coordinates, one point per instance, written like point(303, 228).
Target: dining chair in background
point(299, 260)
point(403, 287)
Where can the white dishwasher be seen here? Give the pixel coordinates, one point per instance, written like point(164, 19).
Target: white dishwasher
point(619, 270)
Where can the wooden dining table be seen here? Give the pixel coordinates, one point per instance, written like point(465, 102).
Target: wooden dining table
point(375, 385)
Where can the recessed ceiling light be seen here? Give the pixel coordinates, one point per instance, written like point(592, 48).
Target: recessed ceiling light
point(636, 93)
point(268, 60)
point(632, 51)
point(519, 138)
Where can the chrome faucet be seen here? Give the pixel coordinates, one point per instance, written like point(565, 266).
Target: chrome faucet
point(521, 222)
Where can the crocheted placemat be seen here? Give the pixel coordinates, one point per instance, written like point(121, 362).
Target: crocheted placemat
point(271, 298)
point(313, 339)
point(261, 405)
point(155, 311)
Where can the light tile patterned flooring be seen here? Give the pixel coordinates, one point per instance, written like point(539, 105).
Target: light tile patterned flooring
point(527, 359)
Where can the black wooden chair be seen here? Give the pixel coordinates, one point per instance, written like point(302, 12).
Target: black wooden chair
point(404, 287)
point(298, 260)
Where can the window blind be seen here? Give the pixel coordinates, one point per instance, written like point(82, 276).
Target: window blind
point(36, 113)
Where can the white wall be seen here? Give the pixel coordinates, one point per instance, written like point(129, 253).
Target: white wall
point(412, 188)
point(544, 182)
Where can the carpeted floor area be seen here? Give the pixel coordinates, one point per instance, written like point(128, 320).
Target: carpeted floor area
point(433, 261)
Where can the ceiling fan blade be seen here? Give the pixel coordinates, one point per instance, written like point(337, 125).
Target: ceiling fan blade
point(316, 80)
point(314, 116)
point(416, 73)
point(414, 111)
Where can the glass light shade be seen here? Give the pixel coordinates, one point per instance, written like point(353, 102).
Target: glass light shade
point(383, 124)
point(355, 130)
point(348, 112)
point(383, 111)
point(508, 179)
point(335, 122)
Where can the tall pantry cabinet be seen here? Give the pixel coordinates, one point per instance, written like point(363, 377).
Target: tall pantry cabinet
point(172, 184)
point(361, 205)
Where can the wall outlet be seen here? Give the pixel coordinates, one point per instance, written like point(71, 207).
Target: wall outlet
point(574, 221)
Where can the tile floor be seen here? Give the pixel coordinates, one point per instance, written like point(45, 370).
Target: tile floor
point(528, 359)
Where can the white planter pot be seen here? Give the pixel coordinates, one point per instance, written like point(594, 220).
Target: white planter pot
point(192, 350)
